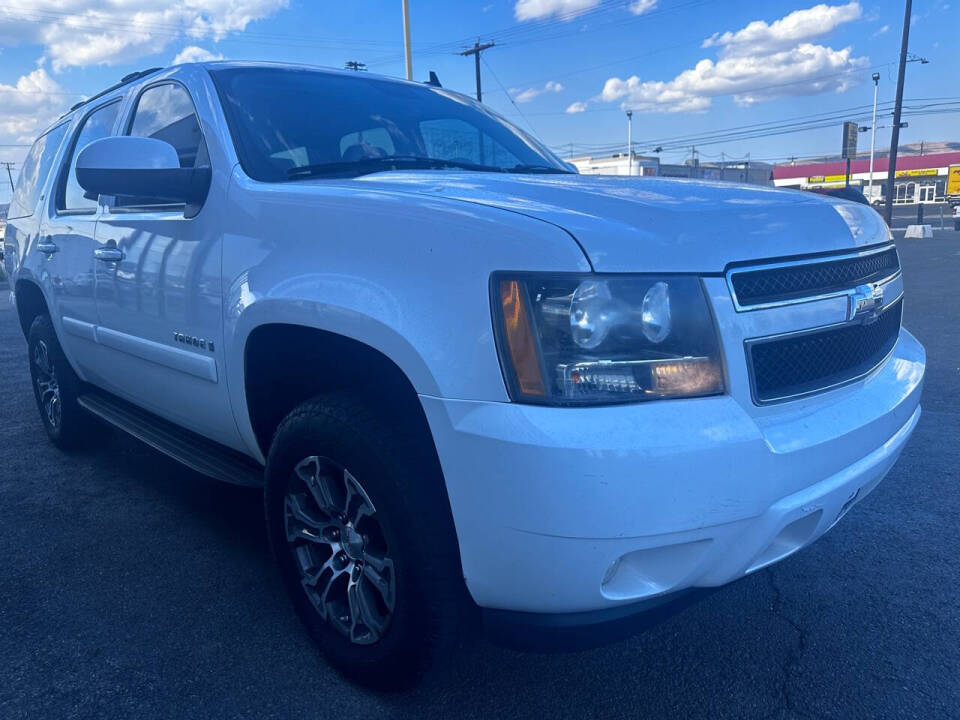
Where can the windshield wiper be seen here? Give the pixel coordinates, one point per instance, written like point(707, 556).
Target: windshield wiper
point(395, 162)
point(538, 169)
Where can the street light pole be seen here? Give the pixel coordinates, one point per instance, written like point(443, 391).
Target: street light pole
point(630, 142)
point(408, 57)
point(873, 134)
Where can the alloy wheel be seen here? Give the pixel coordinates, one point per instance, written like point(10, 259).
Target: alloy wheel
point(48, 389)
point(340, 550)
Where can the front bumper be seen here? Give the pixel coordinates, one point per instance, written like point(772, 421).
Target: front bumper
point(565, 510)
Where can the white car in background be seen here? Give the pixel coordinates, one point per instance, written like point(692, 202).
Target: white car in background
point(466, 376)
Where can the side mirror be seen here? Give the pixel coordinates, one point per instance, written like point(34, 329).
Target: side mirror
point(140, 167)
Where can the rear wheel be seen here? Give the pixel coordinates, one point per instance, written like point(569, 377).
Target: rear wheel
point(362, 531)
point(56, 388)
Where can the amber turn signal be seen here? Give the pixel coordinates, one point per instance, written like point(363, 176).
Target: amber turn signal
point(520, 340)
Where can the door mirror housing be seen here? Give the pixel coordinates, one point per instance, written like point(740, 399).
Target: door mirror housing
point(140, 167)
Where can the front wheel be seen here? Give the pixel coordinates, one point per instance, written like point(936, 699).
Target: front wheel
point(361, 528)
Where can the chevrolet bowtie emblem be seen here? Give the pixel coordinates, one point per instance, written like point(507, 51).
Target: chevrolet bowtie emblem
point(865, 303)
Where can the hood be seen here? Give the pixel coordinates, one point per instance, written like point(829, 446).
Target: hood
point(660, 224)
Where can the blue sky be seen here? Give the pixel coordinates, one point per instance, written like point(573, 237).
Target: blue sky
point(687, 67)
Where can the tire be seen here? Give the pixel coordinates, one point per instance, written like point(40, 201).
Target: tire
point(407, 611)
point(56, 388)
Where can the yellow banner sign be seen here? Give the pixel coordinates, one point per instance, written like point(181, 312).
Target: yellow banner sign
point(916, 173)
point(826, 178)
point(953, 180)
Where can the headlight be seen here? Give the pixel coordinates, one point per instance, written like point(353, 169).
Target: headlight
point(589, 340)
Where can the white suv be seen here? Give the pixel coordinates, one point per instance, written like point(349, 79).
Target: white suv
point(466, 376)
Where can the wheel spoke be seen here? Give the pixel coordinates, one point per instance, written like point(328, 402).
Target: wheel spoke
point(306, 526)
point(318, 583)
point(375, 570)
point(356, 494)
point(362, 611)
point(41, 357)
point(309, 471)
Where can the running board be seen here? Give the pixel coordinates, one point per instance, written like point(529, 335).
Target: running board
point(198, 453)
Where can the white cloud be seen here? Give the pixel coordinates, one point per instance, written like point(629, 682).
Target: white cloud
point(577, 107)
point(639, 7)
point(798, 27)
point(29, 105)
point(193, 53)
point(539, 9)
point(881, 31)
point(759, 62)
point(114, 32)
point(529, 94)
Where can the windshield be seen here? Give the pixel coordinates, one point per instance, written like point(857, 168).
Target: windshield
point(291, 123)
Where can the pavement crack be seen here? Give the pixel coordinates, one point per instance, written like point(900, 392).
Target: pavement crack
point(795, 652)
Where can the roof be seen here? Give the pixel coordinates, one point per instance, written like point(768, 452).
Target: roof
point(230, 64)
point(862, 165)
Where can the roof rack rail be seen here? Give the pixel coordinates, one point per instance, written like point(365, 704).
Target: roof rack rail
point(125, 80)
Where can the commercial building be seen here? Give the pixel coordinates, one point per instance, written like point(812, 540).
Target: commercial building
point(619, 164)
point(929, 178)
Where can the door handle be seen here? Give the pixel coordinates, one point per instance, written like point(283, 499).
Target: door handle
point(46, 246)
point(109, 254)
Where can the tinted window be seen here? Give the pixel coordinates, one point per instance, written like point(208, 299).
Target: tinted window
point(166, 112)
point(35, 171)
point(285, 119)
point(98, 124)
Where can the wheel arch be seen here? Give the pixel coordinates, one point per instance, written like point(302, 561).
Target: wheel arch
point(285, 364)
point(30, 303)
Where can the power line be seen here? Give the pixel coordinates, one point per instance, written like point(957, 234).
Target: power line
point(509, 97)
point(775, 131)
point(521, 34)
point(734, 133)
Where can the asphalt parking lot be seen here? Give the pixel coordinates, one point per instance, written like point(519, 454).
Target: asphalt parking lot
point(130, 587)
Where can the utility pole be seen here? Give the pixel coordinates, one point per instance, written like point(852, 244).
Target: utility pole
point(630, 143)
point(9, 166)
point(355, 65)
point(408, 57)
point(898, 106)
point(873, 134)
point(478, 48)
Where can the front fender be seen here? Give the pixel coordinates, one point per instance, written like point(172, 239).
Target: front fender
point(404, 274)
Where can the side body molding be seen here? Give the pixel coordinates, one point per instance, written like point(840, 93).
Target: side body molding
point(183, 361)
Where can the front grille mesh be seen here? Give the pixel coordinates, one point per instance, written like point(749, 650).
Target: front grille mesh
point(758, 287)
point(805, 363)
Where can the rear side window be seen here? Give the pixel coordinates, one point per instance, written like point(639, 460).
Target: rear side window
point(98, 124)
point(35, 171)
point(166, 112)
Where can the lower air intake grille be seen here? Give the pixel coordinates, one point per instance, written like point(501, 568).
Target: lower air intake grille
point(805, 363)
